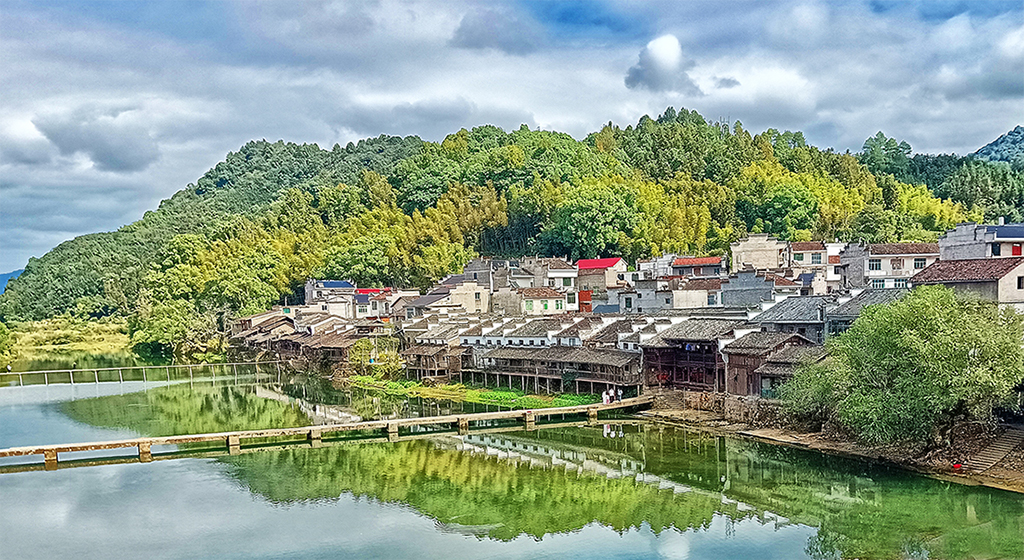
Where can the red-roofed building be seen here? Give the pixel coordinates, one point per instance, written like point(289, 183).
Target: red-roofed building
point(995, 279)
point(599, 274)
point(701, 267)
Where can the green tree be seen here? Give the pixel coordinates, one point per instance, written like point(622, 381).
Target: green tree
point(906, 371)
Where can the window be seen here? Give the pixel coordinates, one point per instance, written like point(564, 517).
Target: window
point(531, 342)
point(900, 283)
point(362, 309)
point(874, 264)
point(323, 307)
point(570, 298)
point(319, 294)
point(474, 276)
point(476, 296)
point(544, 303)
point(897, 264)
point(997, 249)
point(558, 304)
point(798, 257)
point(668, 301)
point(567, 282)
point(529, 305)
point(919, 263)
point(1020, 282)
point(878, 283)
point(373, 305)
point(815, 258)
point(629, 303)
point(837, 271)
point(712, 299)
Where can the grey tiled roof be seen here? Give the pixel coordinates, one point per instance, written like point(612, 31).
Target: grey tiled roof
point(696, 329)
point(565, 354)
point(854, 307)
point(760, 343)
point(536, 328)
point(802, 309)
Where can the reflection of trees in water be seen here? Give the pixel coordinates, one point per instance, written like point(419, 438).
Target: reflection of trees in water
point(860, 511)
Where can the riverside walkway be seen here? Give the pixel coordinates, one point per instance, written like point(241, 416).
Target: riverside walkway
point(192, 373)
point(314, 435)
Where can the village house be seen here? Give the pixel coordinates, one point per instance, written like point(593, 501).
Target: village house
point(656, 267)
point(687, 356)
point(542, 301)
point(751, 288)
point(698, 293)
point(563, 369)
point(599, 274)
point(759, 251)
point(746, 354)
point(453, 294)
point(884, 265)
point(803, 315)
point(980, 241)
point(699, 267)
point(808, 256)
point(842, 317)
point(780, 366)
point(997, 279)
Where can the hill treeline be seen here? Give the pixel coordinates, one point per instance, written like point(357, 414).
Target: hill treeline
point(404, 212)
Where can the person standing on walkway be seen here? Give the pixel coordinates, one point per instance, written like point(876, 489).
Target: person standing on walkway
point(618, 395)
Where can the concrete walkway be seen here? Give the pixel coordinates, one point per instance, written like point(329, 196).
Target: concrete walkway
point(996, 451)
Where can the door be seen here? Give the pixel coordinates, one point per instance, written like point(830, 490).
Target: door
point(1016, 249)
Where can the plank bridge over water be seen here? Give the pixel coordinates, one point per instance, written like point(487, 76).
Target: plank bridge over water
point(235, 372)
point(314, 435)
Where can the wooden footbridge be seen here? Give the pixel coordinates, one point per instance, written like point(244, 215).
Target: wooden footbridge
point(315, 435)
point(234, 372)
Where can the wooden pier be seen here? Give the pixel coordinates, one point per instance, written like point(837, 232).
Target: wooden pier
point(314, 435)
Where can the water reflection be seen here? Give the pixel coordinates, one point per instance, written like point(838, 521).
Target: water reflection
point(558, 483)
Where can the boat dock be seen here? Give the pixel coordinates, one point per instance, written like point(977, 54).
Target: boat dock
point(314, 435)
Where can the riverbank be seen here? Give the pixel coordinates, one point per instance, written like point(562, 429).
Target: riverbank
point(510, 398)
point(1008, 474)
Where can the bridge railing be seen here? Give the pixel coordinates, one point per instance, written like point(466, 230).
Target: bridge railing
point(193, 373)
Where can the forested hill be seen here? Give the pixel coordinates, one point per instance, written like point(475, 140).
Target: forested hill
point(102, 272)
point(1008, 147)
point(405, 212)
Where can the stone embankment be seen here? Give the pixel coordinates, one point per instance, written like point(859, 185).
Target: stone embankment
point(763, 419)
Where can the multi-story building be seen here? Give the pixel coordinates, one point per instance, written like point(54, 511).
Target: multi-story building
point(599, 274)
point(759, 251)
point(699, 267)
point(996, 279)
point(980, 241)
point(884, 265)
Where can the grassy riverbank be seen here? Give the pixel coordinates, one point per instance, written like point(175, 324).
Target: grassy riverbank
point(66, 335)
point(510, 398)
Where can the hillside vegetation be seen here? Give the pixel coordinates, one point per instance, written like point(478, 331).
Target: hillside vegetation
point(403, 212)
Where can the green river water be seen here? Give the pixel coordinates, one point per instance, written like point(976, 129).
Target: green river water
point(613, 490)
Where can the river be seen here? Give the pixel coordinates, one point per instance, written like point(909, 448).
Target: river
point(620, 489)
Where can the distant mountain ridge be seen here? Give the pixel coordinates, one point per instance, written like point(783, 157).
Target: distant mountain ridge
point(1008, 147)
point(7, 276)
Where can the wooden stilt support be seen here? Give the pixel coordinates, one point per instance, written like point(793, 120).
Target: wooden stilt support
point(392, 431)
point(145, 455)
point(234, 445)
point(463, 425)
point(315, 439)
point(530, 420)
point(591, 415)
point(50, 456)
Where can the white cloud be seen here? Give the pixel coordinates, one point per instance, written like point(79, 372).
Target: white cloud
point(662, 68)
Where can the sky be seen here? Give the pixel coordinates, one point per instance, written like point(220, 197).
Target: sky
point(106, 108)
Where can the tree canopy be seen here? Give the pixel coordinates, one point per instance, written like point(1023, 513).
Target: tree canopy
point(906, 370)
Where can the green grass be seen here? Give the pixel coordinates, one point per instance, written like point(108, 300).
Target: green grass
point(509, 398)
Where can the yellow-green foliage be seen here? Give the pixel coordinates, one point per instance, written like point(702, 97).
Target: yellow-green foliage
point(69, 334)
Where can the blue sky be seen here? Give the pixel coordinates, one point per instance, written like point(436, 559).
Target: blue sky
point(109, 107)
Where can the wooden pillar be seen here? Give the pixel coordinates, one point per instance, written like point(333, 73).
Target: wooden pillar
point(144, 452)
point(234, 445)
point(592, 414)
point(530, 420)
point(463, 426)
point(50, 457)
point(392, 431)
point(315, 438)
